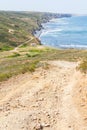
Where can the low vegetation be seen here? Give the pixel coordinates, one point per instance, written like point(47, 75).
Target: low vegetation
point(27, 59)
point(15, 54)
point(83, 66)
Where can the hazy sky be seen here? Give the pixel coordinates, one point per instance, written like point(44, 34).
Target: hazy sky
point(60, 6)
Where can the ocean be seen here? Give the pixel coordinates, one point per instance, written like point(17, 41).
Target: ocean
point(65, 32)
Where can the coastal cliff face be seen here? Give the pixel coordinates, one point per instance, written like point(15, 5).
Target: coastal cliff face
point(18, 27)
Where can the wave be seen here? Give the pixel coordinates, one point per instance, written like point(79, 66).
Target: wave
point(73, 46)
point(56, 30)
point(71, 32)
point(45, 32)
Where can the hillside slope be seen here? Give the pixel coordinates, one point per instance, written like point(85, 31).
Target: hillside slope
point(17, 27)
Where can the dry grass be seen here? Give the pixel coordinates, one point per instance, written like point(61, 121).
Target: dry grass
point(27, 59)
point(83, 66)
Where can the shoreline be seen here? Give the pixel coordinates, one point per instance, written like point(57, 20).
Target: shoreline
point(39, 30)
point(38, 33)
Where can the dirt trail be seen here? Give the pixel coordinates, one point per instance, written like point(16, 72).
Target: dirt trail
point(42, 100)
point(16, 48)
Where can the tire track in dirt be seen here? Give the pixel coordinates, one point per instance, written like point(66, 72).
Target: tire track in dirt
point(42, 101)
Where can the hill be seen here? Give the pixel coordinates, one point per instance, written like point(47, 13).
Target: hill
point(34, 79)
point(18, 27)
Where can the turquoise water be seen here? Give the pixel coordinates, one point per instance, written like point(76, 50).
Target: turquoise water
point(65, 32)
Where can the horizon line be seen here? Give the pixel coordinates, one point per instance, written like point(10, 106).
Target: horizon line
point(42, 12)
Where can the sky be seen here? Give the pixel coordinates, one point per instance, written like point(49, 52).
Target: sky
point(58, 6)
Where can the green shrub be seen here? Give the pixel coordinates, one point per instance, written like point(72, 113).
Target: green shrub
point(32, 54)
point(83, 66)
point(24, 45)
point(30, 67)
point(28, 55)
point(5, 76)
point(5, 48)
point(14, 55)
point(34, 50)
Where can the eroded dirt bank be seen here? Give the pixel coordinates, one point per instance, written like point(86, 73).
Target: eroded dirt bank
point(43, 100)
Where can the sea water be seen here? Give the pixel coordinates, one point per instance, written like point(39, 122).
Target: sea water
point(65, 32)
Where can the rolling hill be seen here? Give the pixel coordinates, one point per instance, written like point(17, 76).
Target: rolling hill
point(18, 27)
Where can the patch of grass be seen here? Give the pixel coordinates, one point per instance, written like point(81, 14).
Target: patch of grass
point(35, 50)
point(14, 55)
point(83, 66)
point(32, 54)
point(30, 67)
point(67, 55)
point(24, 45)
point(16, 66)
point(5, 76)
point(44, 65)
point(28, 61)
point(5, 48)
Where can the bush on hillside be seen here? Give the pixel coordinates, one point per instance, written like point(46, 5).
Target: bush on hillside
point(83, 66)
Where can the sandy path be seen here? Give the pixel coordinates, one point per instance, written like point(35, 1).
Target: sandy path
point(16, 48)
point(42, 100)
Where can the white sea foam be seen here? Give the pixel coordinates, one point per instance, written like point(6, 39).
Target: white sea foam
point(54, 20)
point(73, 46)
point(55, 30)
point(66, 31)
point(45, 32)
